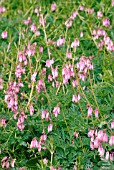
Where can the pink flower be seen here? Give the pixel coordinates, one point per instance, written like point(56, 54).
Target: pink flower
point(112, 3)
point(81, 8)
point(105, 138)
point(111, 141)
point(34, 143)
point(111, 156)
point(68, 23)
point(55, 72)
point(96, 143)
point(60, 42)
point(41, 50)
point(49, 62)
point(75, 98)
point(69, 55)
point(37, 33)
point(4, 34)
point(90, 111)
point(31, 109)
point(106, 22)
point(73, 15)
point(45, 161)
point(50, 126)
point(75, 43)
point(99, 14)
point(53, 6)
point(101, 151)
point(112, 125)
point(43, 138)
point(33, 77)
point(100, 135)
point(76, 134)
point(56, 111)
point(91, 133)
point(107, 156)
point(81, 34)
point(33, 28)
point(74, 83)
point(3, 122)
point(39, 146)
point(2, 9)
point(96, 112)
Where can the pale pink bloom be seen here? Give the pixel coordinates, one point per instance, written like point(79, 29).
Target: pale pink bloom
point(36, 11)
point(73, 15)
point(69, 55)
point(74, 83)
point(111, 141)
point(31, 109)
point(106, 22)
point(34, 143)
point(90, 11)
point(81, 8)
point(100, 135)
point(50, 78)
point(76, 134)
point(55, 72)
point(37, 33)
point(101, 151)
point(33, 28)
point(56, 111)
point(39, 146)
point(96, 143)
point(68, 23)
point(28, 21)
point(4, 159)
point(75, 98)
point(33, 77)
point(49, 62)
point(45, 161)
point(3, 122)
point(53, 168)
point(2, 9)
point(41, 49)
point(112, 2)
point(91, 133)
point(99, 14)
point(7, 165)
point(60, 42)
point(81, 34)
point(12, 163)
point(43, 138)
point(20, 123)
point(74, 168)
point(53, 6)
point(90, 111)
point(105, 138)
point(50, 126)
point(4, 34)
point(112, 125)
point(44, 112)
point(1, 82)
point(107, 156)
point(75, 43)
point(91, 145)
point(111, 156)
point(96, 112)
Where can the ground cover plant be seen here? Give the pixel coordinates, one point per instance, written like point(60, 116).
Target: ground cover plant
point(57, 84)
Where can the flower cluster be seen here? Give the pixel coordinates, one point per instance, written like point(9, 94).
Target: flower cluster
point(67, 73)
point(97, 140)
point(83, 66)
